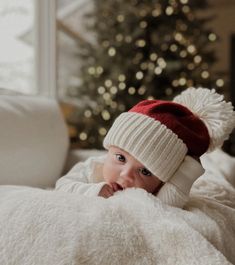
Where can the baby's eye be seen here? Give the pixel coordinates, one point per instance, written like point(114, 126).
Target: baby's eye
point(120, 157)
point(145, 172)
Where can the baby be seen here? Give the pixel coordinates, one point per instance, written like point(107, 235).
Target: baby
point(155, 146)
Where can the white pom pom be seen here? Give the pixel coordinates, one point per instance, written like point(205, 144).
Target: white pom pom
point(211, 108)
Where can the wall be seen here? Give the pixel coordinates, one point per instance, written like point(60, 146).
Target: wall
point(224, 26)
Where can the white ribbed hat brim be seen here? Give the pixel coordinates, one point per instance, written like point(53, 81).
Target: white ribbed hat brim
point(150, 142)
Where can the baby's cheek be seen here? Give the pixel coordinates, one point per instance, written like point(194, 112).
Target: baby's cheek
point(109, 174)
point(151, 185)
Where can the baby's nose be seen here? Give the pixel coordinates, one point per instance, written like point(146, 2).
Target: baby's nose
point(128, 177)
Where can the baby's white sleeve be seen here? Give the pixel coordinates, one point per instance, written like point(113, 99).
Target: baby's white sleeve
point(78, 179)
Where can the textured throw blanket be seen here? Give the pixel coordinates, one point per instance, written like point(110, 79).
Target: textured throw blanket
point(39, 227)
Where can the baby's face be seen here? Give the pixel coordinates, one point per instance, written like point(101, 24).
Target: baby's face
point(121, 168)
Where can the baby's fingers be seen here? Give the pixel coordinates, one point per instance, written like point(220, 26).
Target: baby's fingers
point(109, 192)
point(106, 191)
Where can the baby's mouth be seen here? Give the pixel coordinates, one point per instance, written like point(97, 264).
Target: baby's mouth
point(116, 186)
point(119, 187)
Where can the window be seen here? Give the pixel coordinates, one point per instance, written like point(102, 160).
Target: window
point(17, 46)
point(28, 47)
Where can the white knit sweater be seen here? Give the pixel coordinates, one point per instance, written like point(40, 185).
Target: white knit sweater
point(87, 178)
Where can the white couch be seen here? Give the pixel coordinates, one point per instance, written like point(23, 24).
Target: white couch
point(34, 143)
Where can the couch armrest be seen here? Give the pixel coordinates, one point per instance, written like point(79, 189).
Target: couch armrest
point(33, 141)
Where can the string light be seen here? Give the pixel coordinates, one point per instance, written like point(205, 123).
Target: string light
point(178, 37)
point(102, 131)
point(143, 24)
point(105, 43)
point(142, 90)
point(83, 136)
point(197, 59)
point(156, 12)
point(205, 74)
point(153, 56)
point(183, 54)
point(161, 62)
point(121, 78)
point(219, 82)
point(105, 115)
point(131, 90)
point(111, 51)
point(212, 37)
point(169, 10)
point(144, 66)
point(120, 18)
point(158, 70)
point(101, 90)
point(99, 70)
point(140, 43)
point(122, 86)
point(182, 81)
point(191, 48)
point(108, 83)
point(173, 47)
point(87, 113)
point(91, 70)
point(119, 37)
point(139, 75)
point(175, 83)
point(113, 90)
point(106, 96)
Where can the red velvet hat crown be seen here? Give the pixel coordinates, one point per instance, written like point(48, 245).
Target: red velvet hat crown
point(180, 120)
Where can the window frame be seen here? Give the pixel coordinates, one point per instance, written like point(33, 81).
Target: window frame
point(45, 47)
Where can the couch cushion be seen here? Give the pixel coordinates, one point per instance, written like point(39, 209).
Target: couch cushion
point(33, 141)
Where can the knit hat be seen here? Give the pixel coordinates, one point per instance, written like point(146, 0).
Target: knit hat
point(159, 134)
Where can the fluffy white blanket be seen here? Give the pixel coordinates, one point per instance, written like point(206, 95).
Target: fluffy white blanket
point(133, 228)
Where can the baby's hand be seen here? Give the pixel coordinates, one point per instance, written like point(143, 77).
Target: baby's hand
point(106, 191)
point(109, 189)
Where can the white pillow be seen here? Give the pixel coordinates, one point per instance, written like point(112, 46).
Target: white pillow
point(33, 141)
point(219, 163)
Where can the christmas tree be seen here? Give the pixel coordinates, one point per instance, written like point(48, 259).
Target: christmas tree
point(143, 50)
